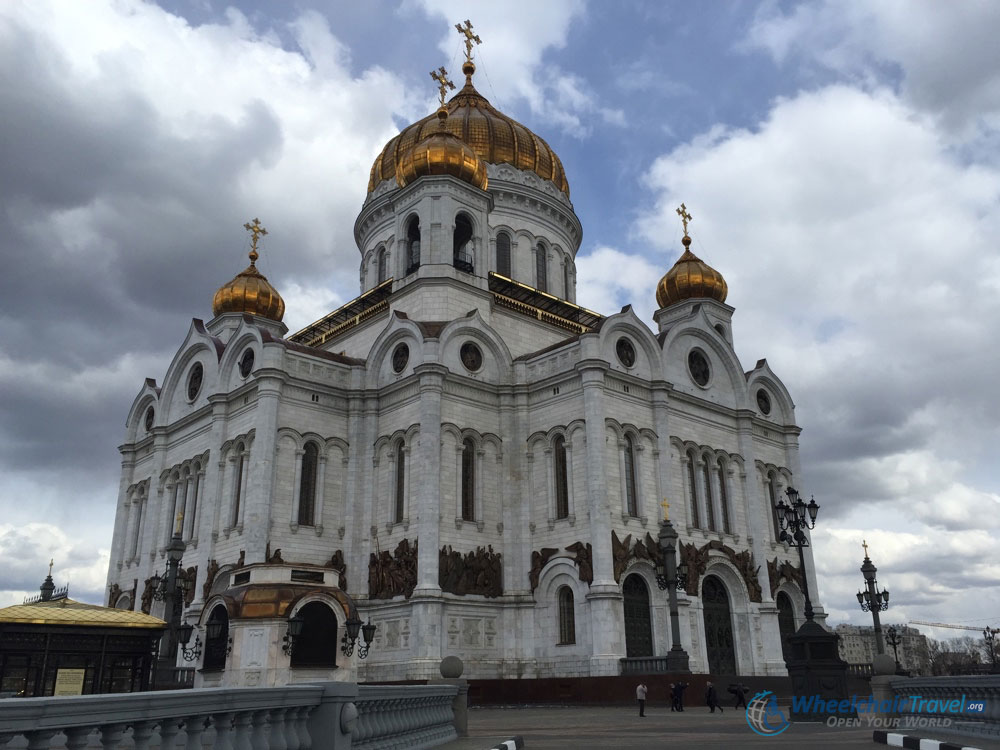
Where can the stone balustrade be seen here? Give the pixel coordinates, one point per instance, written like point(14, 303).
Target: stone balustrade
point(332, 715)
point(644, 665)
point(943, 690)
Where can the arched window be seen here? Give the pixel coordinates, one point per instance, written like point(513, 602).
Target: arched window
point(400, 482)
point(567, 616)
point(413, 245)
point(307, 485)
point(381, 265)
point(565, 269)
point(238, 481)
point(468, 480)
point(631, 501)
point(316, 646)
point(772, 492)
point(695, 520)
point(215, 648)
point(541, 268)
point(462, 244)
point(562, 483)
point(503, 254)
point(724, 497)
point(709, 504)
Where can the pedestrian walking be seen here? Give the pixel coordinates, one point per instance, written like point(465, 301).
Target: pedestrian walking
point(740, 691)
point(640, 695)
point(673, 698)
point(712, 698)
point(679, 689)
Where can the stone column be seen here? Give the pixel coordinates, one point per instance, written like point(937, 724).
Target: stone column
point(604, 597)
point(293, 522)
point(361, 490)
point(260, 472)
point(121, 541)
point(320, 493)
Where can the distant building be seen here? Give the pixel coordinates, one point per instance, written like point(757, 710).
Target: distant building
point(857, 646)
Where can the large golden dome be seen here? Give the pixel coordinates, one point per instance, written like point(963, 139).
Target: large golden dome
point(250, 292)
point(494, 137)
point(690, 277)
point(441, 153)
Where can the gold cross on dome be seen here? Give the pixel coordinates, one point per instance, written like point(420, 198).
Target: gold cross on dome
point(865, 545)
point(470, 38)
point(257, 230)
point(441, 76)
point(685, 217)
point(666, 509)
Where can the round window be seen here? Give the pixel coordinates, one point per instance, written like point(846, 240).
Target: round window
point(246, 362)
point(699, 367)
point(400, 356)
point(625, 352)
point(472, 356)
point(763, 402)
point(194, 381)
point(149, 418)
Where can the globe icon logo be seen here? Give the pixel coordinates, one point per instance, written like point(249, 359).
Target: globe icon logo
point(763, 715)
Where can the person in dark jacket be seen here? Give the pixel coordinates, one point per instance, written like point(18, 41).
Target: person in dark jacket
point(679, 689)
point(712, 698)
point(740, 691)
point(673, 698)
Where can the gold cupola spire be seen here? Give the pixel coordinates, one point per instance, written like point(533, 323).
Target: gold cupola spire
point(690, 276)
point(442, 152)
point(468, 67)
point(250, 292)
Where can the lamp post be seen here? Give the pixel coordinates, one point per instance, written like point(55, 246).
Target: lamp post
point(170, 590)
point(893, 639)
point(795, 518)
point(670, 577)
point(871, 599)
point(989, 635)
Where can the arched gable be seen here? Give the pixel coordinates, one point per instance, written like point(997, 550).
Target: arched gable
point(727, 384)
point(135, 422)
point(198, 346)
point(497, 359)
point(399, 329)
point(782, 406)
point(647, 352)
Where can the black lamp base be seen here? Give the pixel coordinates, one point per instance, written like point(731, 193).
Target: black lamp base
point(819, 675)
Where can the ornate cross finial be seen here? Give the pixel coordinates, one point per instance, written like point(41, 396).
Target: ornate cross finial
point(257, 230)
point(50, 566)
point(685, 217)
point(865, 545)
point(441, 76)
point(470, 38)
point(666, 509)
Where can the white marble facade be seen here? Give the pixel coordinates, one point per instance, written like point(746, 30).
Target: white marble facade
point(330, 443)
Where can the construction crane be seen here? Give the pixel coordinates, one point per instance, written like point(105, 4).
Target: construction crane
point(980, 628)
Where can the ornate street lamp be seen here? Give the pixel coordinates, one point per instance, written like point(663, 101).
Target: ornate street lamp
point(871, 599)
point(989, 635)
point(354, 628)
point(795, 517)
point(670, 577)
point(295, 625)
point(893, 639)
point(169, 588)
point(183, 638)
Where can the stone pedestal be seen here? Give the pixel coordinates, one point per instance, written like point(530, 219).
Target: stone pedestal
point(677, 661)
point(460, 705)
point(817, 671)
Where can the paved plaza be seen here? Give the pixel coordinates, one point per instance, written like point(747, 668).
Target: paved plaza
point(610, 728)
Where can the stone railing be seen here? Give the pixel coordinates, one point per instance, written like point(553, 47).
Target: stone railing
point(644, 665)
point(963, 690)
point(332, 715)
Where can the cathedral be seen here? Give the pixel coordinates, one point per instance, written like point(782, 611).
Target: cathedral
point(462, 458)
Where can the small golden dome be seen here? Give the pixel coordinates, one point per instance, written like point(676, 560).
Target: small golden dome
point(690, 277)
point(250, 292)
point(441, 153)
point(494, 137)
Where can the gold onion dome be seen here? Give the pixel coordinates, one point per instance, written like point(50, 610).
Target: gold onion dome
point(492, 136)
point(690, 277)
point(441, 153)
point(250, 292)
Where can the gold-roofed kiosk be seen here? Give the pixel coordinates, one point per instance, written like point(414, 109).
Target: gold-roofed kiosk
point(250, 292)
point(494, 137)
point(54, 645)
point(690, 277)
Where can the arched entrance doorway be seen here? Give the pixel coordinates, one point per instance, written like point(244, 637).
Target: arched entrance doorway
point(638, 628)
point(718, 627)
point(786, 621)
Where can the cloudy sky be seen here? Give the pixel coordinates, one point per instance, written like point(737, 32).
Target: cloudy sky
point(841, 162)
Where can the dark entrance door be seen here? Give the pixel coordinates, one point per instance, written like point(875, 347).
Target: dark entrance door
point(786, 621)
point(718, 627)
point(638, 629)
